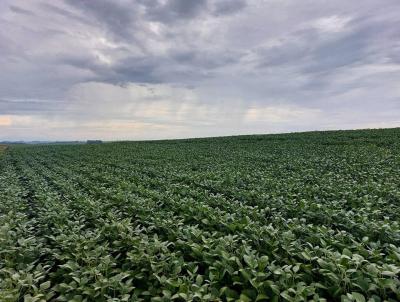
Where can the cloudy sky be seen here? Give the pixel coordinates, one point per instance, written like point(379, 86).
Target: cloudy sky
point(148, 69)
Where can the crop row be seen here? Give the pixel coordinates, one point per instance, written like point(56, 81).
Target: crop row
point(262, 218)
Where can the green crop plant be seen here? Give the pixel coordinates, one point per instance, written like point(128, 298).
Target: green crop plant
point(292, 217)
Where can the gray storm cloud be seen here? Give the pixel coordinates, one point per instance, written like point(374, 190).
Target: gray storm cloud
point(127, 69)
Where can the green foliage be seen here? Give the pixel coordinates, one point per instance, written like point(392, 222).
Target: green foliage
point(3, 148)
point(294, 217)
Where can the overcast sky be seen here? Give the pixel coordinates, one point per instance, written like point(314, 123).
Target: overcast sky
point(148, 69)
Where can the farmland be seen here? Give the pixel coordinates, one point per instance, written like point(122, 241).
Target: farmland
point(2, 148)
point(293, 217)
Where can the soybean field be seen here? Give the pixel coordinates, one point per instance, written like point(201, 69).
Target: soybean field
point(291, 217)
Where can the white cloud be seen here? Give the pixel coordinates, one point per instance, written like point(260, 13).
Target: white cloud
point(5, 120)
point(281, 114)
point(332, 24)
point(116, 70)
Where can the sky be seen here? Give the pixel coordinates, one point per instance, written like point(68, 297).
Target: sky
point(153, 69)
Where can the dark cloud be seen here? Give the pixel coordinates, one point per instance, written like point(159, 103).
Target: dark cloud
point(227, 7)
point(20, 10)
point(173, 11)
point(203, 58)
point(138, 70)
point(338, 53)
point(185, 8)
point(289, 52)
point(115, 16)
point(51, 8)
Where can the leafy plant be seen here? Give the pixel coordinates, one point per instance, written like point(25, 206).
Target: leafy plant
point(294, 217)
